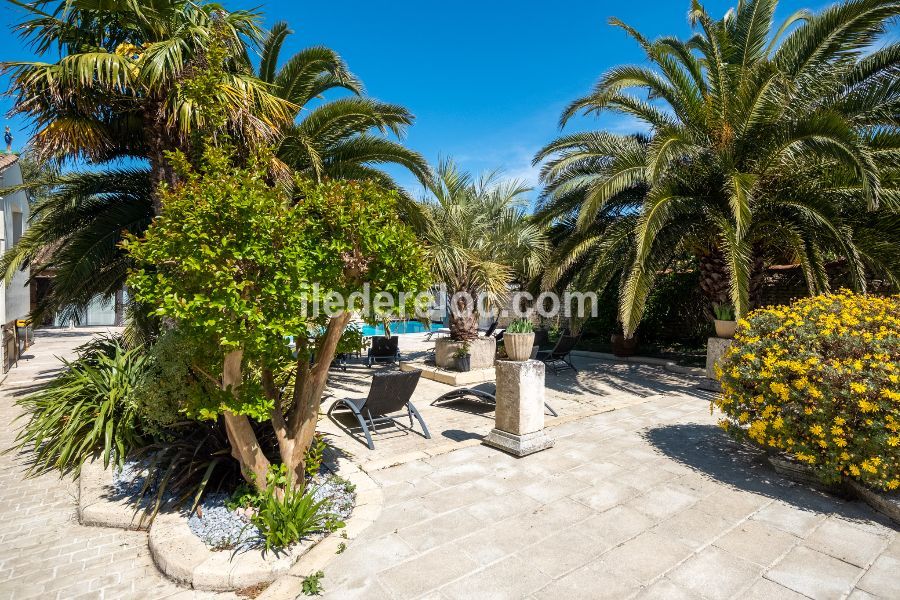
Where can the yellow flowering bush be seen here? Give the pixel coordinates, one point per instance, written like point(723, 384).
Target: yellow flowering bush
point(819, 380)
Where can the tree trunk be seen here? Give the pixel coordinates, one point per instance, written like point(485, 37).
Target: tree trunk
point(463, 321)
point(309, 384)
point(244, 444)
point(715, 281)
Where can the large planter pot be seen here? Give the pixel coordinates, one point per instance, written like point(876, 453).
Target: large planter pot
point(518, 345)
point(622, 346)
point(725, 329)
point(482, 350)
point(464, 363)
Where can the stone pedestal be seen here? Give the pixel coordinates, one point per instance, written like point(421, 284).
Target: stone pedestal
point(519, 421)
point(715, 349)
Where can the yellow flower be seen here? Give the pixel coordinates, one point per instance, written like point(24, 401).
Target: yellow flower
point(858, 387)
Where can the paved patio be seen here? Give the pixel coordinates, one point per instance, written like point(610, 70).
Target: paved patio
point(44, 552)
point(642, 496)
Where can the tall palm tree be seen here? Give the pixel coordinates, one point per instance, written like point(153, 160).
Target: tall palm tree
point(334, 139)
point(118, 88)
point(122, 90)
point(480, 239)
point(767, 142)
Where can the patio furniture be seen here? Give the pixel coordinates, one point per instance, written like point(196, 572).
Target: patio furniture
point(491, 328)
point(389, 393)
point(384, 349)
point(557, 359)
point(541, 338)
point(485, 393)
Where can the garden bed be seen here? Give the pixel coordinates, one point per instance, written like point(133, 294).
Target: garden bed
point(201, 550)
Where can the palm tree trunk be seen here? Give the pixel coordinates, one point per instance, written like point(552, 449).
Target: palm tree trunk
point(463, 321)
point(714, 278)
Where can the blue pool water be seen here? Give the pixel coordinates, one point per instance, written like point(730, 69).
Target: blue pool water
point(399, 327)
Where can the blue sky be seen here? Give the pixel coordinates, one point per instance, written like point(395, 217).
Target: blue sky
point(486, 80)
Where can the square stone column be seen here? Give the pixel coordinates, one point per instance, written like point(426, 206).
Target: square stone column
point(715, 349)
point(519, 421)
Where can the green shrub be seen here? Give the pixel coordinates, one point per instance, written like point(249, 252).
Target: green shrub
point(87, 410)
point(286, 514)
point(820, 381)
point(520, 326)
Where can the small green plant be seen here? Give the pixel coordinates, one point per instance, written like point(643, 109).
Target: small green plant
point(341, 547)
point(286, 514)
point(723, 312)
point(315, 455)
point(462, 351)
point(312, 584)
point(520, 326)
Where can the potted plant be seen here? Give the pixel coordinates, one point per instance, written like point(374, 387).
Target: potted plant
point(518, 339)
point(463, 358)
point(725, 323)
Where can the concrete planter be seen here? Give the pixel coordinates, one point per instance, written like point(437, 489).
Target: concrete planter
point(518, 345)
point(725, 329)
point(482, 350)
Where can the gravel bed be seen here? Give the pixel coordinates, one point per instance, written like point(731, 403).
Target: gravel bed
point(223, 529)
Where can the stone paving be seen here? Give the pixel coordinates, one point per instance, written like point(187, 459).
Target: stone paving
point(648, 501)
point(642, 496)
point(44, 552)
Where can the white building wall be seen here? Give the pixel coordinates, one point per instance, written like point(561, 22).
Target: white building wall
point(17, 296)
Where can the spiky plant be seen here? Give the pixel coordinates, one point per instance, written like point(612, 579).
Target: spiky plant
point(480, 239)
point(767, 142)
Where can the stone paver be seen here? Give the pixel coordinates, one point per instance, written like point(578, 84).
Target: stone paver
point(651, 500)
point(642, 497)
point(44, 552)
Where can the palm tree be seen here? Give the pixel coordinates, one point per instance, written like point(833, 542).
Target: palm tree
point(766, 142)
point(335, 138)
point(118, 89)
point(123, 89)
point(480, 240)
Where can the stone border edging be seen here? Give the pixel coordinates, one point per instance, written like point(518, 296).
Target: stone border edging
point(95, 508)
point(184, 558)
point(668, 365)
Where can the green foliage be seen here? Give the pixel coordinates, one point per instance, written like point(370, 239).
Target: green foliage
point(480, 238)
point(86, 410)
point(239, 264)
point(723, 312)
point(520, 326)
point(177, 382)
point(462, 351)
point(286, 514)
point(768, 143)
point(315, 455)
point(312, 584)
point(819, 380)
point(352, 340)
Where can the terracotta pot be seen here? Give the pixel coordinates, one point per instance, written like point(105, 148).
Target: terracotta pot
point(518, 345)
point(725, 329)
point(622, 346)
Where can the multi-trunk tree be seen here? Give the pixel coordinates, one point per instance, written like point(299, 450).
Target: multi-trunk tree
point(242, 264)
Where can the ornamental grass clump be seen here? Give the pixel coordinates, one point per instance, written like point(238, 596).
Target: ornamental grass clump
point(819, 380)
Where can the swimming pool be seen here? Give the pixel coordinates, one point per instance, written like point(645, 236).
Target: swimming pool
point(398, 327)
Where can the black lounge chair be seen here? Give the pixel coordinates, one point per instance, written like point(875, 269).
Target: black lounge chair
point(484, 393)
point(389, 393)
point(541, 338)
point(384, 349)
point(491, 329)
point(557, 359)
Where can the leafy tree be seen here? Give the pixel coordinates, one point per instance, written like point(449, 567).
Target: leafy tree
point(240, 263)
point(768, 142)
point(480, 240)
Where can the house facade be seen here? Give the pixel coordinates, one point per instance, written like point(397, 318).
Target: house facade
point(15, 296)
